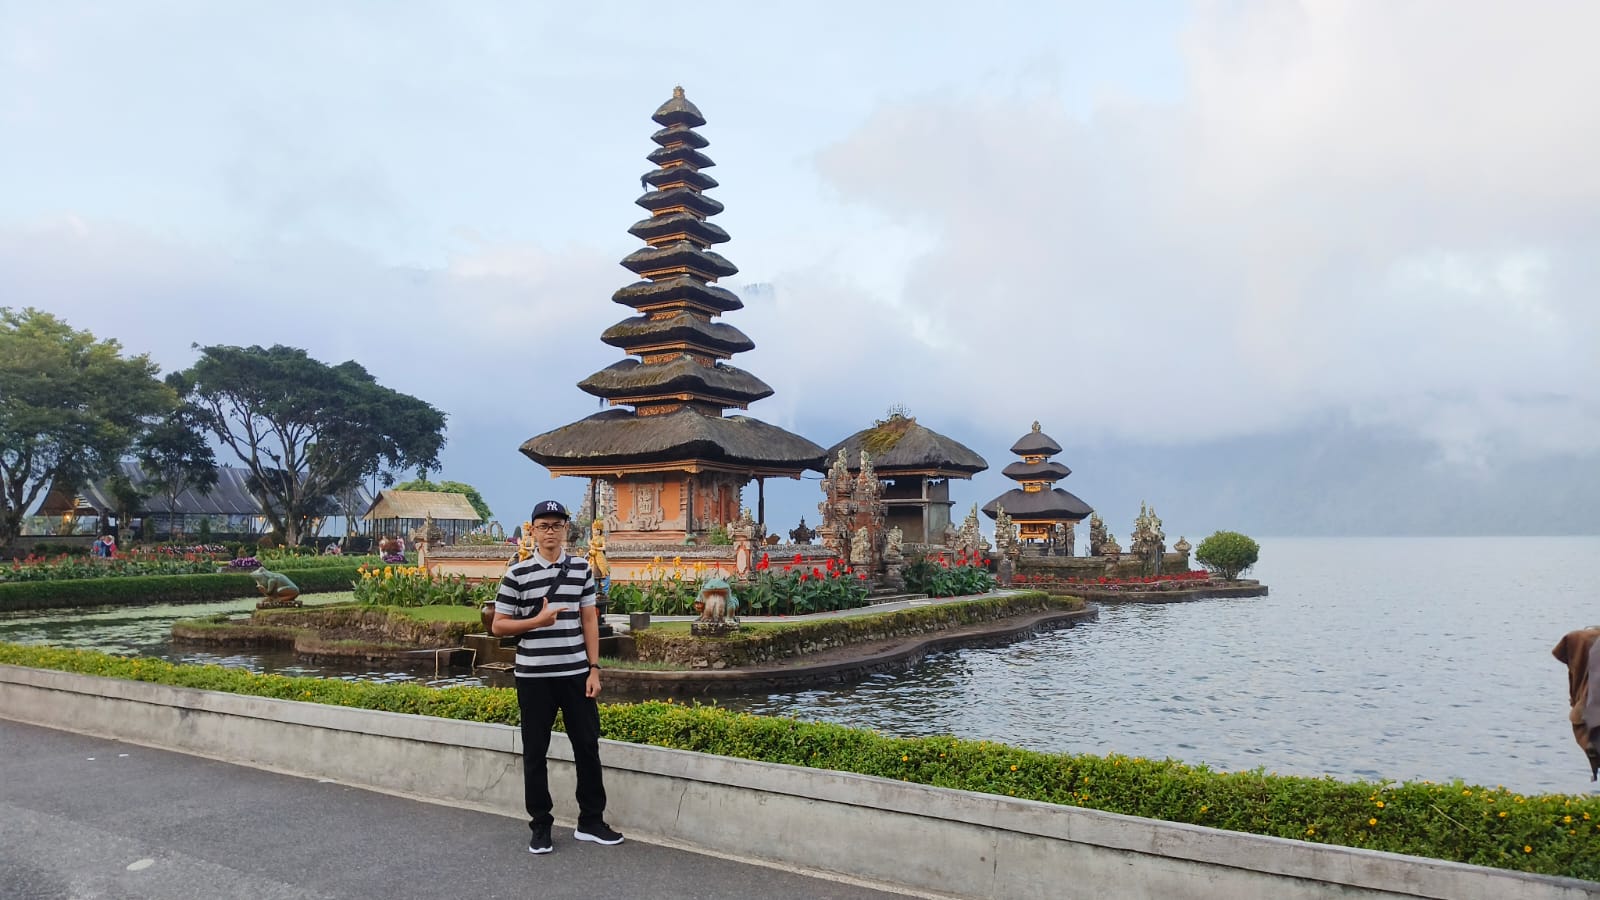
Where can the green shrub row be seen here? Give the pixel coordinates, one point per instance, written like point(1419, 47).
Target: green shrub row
point(1550, 834)
point(136, 589)
point(801, 636)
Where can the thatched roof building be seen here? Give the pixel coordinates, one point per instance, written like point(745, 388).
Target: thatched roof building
point(399, 512)
point(676, 462)
point(916, 465)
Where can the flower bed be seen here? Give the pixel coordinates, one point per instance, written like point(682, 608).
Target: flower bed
point(417, 586)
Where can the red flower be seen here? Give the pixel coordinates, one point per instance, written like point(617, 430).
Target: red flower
point(802, 576)
point(797, 559)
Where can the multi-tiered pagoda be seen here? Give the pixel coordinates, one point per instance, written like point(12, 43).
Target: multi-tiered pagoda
point(1038, 507)
point(676, 462)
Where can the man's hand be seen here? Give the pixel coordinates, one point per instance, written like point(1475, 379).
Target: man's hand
point(591, 688)
point(546, 617)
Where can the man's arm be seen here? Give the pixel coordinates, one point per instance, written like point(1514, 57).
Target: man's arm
point(505, 625)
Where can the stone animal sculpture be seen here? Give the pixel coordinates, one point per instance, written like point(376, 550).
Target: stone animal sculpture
point(1580, 651)
point(717, 602)
point(276, 589)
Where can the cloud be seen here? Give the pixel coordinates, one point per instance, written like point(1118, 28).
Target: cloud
point(1351, 209)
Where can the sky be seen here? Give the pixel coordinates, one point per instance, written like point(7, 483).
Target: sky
point(1317, 268)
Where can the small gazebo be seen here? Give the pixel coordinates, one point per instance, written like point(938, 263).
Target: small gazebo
point(398, 513)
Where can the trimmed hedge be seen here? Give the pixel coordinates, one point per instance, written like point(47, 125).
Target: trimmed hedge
point(1550, 834)
point(135, 589)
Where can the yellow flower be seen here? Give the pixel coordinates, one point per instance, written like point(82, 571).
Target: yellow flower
point(1526, 849)
point(905, 758)
point(1372, 821)
point(677, 562)
point(1566, 820)
point(1013, 768)
point(1466, 793)
point(1311, 829)
point(1380, 804)
point(1503, 814)
point(1203, 809)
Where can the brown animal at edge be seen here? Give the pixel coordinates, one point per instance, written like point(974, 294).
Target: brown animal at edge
point(1580, 650)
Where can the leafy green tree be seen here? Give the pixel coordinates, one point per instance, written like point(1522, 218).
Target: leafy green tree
point(306, 430)
point(1228, 554)
point(70, 406)
point(422, 483)
point(175, 456)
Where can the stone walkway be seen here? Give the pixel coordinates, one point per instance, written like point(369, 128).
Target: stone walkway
point(84, 818)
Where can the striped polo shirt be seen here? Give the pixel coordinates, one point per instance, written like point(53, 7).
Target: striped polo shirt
point(555, 650)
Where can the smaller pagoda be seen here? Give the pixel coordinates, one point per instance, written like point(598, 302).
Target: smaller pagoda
point(1042, 512)
point(915, 464)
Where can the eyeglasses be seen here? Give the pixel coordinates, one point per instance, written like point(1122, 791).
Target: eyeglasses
point(549, 526)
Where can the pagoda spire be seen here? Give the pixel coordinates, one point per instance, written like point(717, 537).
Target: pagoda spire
point(678, 351)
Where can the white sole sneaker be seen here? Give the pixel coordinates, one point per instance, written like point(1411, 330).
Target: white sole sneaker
point(597, 839)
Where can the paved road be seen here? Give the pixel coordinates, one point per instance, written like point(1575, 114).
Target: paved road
point(84, 817)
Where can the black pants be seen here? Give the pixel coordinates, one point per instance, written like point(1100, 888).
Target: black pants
point(538, 699)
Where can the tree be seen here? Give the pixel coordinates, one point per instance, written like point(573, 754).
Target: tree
point(1228, 553)
point(70, 406)
point(175, 456)
point(421, 483)
point(305, 430)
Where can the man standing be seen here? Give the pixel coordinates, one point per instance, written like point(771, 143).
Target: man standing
point(549, 600)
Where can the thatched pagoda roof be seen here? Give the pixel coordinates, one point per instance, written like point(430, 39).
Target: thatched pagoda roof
point(901, 445)
point(679, 223)
point(1041, 471)
point(678, 111)
point(1052, 505)
point(678, 287)
point(632, 378)
point(621, 438)
point(690, 329)
point(680, 254)
point(1036, 443)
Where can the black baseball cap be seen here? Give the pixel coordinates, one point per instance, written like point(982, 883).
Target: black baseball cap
point(550, 508)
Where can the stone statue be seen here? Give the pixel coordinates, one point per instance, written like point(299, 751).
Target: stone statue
point(1097, 535)
point(1005, 533)
point(276, 589)
point(596, 555)
point(429, 532)
point(1182, 546)
point(861, 548)
point(718, 606)
point(893, 548)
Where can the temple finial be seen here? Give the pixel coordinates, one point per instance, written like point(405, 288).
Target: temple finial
point(677, 92)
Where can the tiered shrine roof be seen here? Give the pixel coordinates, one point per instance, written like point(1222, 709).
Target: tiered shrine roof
point(1037, 500)
point(677, 378)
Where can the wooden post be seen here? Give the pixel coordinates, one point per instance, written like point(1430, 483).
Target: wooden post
point(761, 502)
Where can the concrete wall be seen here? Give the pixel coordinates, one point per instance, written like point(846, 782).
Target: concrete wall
point(934, 840)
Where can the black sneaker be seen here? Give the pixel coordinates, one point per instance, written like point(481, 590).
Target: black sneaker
point(541, 840)
point(600, 834)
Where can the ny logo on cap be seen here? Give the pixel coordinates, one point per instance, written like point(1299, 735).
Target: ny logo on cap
point(550, 507)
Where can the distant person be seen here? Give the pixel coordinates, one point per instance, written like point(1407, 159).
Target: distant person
point(332, 549)
point(105, 547)
point(548, 599)
point(1580, 651)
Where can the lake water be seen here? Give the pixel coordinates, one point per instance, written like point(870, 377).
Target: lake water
point(1378, 658)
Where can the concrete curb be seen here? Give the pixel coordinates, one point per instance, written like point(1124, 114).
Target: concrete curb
point(925, 838)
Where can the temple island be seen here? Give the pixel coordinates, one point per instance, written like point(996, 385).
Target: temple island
point(670, 461)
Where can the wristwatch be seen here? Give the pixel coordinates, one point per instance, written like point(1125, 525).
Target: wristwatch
point(593, 666)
